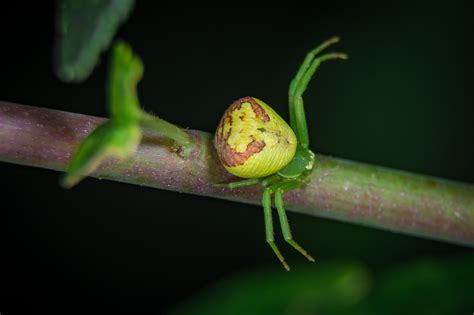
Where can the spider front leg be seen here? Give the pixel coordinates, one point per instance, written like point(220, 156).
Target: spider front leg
point(264, 181)
point(240, 183)
point(299, 84)
point(279, 189)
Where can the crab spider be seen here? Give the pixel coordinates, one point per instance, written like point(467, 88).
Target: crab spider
point(255, 143)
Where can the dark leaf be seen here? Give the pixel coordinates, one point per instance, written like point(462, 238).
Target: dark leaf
point(85, 28)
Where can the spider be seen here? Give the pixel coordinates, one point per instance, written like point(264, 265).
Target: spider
point(255, 143)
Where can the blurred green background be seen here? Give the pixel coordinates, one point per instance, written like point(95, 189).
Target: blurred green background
point(403, 100)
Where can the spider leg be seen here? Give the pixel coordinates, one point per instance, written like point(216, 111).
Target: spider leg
point(265, 181)
point(267, 210)
point(269, 180)
point(299, 84)
point(279, 189)
point(301, 71)
point(240, 183)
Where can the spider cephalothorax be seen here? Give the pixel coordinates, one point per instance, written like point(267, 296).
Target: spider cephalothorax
point(255, 143)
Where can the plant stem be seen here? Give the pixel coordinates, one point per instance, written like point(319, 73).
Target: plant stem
point(166, 129)
point(339, 189)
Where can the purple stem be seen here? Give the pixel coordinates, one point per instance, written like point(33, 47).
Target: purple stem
point(339, 189)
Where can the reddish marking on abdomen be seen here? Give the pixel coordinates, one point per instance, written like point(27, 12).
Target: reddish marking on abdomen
point(228, 156)
point(257, 109)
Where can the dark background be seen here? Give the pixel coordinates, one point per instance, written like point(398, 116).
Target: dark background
point(404, 99)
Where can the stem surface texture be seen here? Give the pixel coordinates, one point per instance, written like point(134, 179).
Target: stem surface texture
point(339, 189)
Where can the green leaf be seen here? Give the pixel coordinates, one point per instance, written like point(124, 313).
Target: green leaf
point(109, 140)
point(320, 289)
point(85, 29)
point(125, 71)
point(432, 287)
point(119, 137)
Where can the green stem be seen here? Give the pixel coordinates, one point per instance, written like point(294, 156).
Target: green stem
point(343, 190)
point(183, 143)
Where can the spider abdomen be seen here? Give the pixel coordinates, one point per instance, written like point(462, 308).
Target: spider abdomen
point(252, 140)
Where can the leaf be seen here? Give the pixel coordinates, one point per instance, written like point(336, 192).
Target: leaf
point(125, 71)
point(109, 140)
point(325, 289)
point(85, 29)
point(120, 136)
point(425, 287)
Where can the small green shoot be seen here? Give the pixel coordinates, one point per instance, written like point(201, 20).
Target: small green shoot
point(120, 136)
